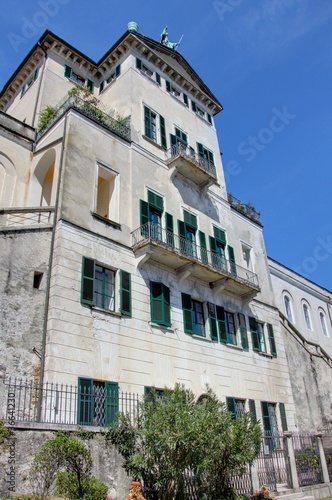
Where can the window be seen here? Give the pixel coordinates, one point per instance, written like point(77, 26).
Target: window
point(243, 331)
point(107, 196)
point(306, 315)
point(151, 212)
point(258, 337)
point(223, 326)
point(98, 287)
point(30, 81)
point(205, 154)
point(246, 254)
point(172, 90)
point(230, 328)
point(288, 309)
point(147, 71)
point(217, 246)
point(200, 112)
point(160, 304)
point(80, 80)
point(193, 315)
point(187, 233)
point(322, 318)
point(236, 407)
point(269, 415)
point(98, 402)
point(152, 393)
point(150, 126)
point(37, 279)
point(111, 78)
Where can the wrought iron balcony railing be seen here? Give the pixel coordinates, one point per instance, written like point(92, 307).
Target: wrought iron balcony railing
point(154, 233)
point(188, 153)
point(92, 112)
point(246, 209)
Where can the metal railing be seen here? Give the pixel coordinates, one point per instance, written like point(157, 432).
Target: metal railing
point(32, 216)
point(92, 112)
point(244, 208)
point(307, 458)
point(186, 248)
point(190, 154)
point(273, 465)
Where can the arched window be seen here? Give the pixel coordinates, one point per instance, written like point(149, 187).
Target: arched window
point(288, 308)
point(323, 323)
point(306, 314)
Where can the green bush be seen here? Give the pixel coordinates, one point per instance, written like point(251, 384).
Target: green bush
point(91, 488)
point(45, 116)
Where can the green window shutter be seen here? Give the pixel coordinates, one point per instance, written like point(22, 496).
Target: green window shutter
point(243, 331)
point(163, 139)
point(101, 86)
point(219, 235)
point(111, 402)
point(85, 401)
point(202, 242)
point(231, 257)
point(89, 85)
point(118, 70)
point(182, 236)
point(160, 304)
point(168, 86)
point(254, 333)
point(187, 313)
point(266, 416)
point(283, 417)
point(190, 219)
point(125, 293)
point(200, 149)
point(272, 340)
point(230, 402)
point(193, 106)
point(156, 201)
point(213, 245)
point(22, 90)
point(138, 63)
point(185, 99)
point(167, 306)
point(169, 229)
point(158, 79)
point(35, 74)
point(144, 212)
point(252, 409)
point(87, 283)
point(210, 157)
point(68, 71)
point(209, 118)
point(212, 321)
point(221, 324)
point(173, 141)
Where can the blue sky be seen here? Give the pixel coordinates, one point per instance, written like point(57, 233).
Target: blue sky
point(268, 62)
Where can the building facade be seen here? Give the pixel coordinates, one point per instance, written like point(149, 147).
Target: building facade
point(126, 265)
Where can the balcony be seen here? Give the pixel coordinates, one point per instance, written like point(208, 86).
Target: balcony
point(26, 218)
point(152, 242)
point(246, 209)
point(187, 162)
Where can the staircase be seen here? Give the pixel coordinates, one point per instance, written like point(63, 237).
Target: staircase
point(284, 493)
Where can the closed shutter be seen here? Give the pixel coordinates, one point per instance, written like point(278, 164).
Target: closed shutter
point(202, 242)
point(254, 333)
point(221, 324)
point(168, 86)
point(185, 99)
point(283, 417)
point(35, 74)
point(156, 302)
point(252, 409)
point(230, 402)
point(85, 401)
point(138, 63)
point(243, 331)
point(266, 417)
point(209, 118)
point(87, 282)
point(169, 229)
point(101, 86)
point(111, 402)
point(163, 139)
point(118, 70)
point(68, 71)
point(193, 106)
point(212, 321)
point(187, 313)
point(158, 79)
point(231, 257)
point(219, 235)
point(272, 340)
point(125, 293)
point(156, 201)
point(190, 219)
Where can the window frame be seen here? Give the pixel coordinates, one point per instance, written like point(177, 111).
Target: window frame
point(165, 301)
point(289, 313)
point(30, 81)
point(159, 127)
point(306, 315)
point(113, 206)
point(233, 406)
point(86, 410)
point(323, 323)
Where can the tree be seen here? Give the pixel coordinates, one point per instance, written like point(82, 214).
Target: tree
point(174, 441)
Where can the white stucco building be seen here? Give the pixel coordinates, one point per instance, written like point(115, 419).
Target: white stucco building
point(132, 266)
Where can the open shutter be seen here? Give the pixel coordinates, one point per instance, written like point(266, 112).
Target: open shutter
point(209, 118)
point(266, 417)
point(68, 71)
point(156, 200)
point(169, 229)
point(89, 85)
point(118, 70)
point(168, 86)
point(212, 321)
point(111, 402)
point(101, 86)
point(138, 63)
point(125, 294)
point(144, 215)
point(231, 257)
point(193, 106)
point(219, 235)
point(243, 331)
point(272, 340)
point(85, 401)
point(283, 417)
point(35, 74)
point(87, 283)
point(167, 306)
point(221, 324)
point(254, 333)
point(230, 402)
point(163, 139)
point(158, 79)
point(182, 236)
point(200, 149)
point(213, 245)
point(185, 99)
point(187, 313)
point(252, 409)
point(190, 219)
point(202, 242)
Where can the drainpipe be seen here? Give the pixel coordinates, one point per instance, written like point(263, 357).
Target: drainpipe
point(39, 86)
point(48, 282)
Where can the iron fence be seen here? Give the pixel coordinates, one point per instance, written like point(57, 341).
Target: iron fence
point(327, 445)
point(273, 462)
point(185, 151)
point(307, 458)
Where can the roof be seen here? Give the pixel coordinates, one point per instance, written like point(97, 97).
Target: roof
point(168, 60)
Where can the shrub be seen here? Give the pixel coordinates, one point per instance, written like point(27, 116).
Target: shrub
point(89, 489)
point(45, 116)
